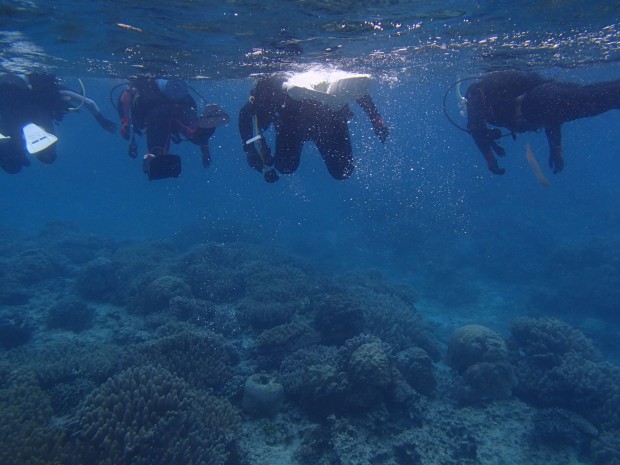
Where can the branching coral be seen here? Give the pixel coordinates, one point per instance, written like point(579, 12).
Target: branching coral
point(148, 416)
point(200, 357)
point(26, 433)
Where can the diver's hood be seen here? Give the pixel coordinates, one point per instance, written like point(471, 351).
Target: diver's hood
point(174, 89)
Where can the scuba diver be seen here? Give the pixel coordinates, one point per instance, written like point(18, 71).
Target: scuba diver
point(29, 105)
point(302, 107)
point(525, 101)
point(168, 113)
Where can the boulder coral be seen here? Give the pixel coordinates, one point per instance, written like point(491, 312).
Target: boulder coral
point(339, 317)
point(558, 367)
point(157, 293)
point(98, 280)
point(480, 357)
point(355, 377)
point(389, 313)
point(32, 266)
point(370, 365)
point(272, 345)
point(417, 368)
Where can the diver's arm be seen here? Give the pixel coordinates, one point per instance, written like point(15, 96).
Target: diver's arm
point(125, 102)
point(369, 107)
point(554, 137)
point(78, 99)
point(477, 127)
point(476, 122)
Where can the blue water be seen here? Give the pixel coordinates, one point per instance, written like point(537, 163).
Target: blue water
point(422, 209)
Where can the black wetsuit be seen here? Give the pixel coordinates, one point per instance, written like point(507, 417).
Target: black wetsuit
point(522, 101)
point(165, 120)
point(297, 122)
point(37, 101)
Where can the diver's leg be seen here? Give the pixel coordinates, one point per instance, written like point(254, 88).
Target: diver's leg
point(12, 156)
point(185, 120)
point(158, 128)
point(558, 102)
point(289, 143)
point(334, 144)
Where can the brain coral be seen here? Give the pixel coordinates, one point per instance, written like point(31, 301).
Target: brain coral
point(148, 416)
point(480, 356)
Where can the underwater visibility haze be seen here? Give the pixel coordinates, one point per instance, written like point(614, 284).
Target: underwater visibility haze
point(423, 311)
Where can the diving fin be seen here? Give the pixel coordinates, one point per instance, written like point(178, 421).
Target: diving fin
point(163, 166)
point(37, 138)
point(4, 138)
point(213, 116)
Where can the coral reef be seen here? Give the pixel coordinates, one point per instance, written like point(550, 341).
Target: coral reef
point(606, 448)
point(224, 273)
point(71, 315)
point(558, 427)
point(184, 336)
point(34, 265)
point(219, 318)
point(590, 279)
point(98, 280)
point(15, 330)
point(260, 315)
